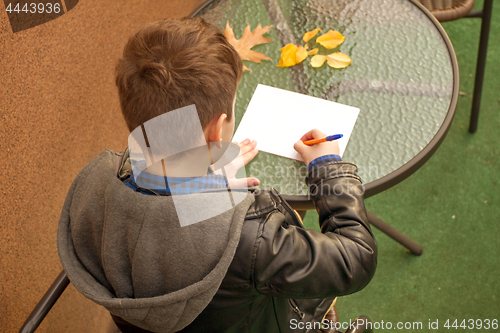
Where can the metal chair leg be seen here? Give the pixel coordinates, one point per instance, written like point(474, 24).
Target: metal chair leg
point(302, 214)
point(43, 307)
point(481, 63)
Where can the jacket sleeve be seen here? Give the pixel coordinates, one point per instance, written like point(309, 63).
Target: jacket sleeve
point(294, 262)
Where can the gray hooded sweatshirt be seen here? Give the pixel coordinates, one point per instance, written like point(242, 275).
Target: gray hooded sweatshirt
point(128, 252)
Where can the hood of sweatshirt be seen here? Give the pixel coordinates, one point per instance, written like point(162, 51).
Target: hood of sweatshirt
point(129, 253)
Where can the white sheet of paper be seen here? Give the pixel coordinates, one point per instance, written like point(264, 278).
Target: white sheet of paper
point(277, 118)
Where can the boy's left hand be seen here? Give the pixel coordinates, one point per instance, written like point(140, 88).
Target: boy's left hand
point(248, 150)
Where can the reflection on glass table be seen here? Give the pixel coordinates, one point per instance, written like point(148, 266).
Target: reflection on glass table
point(403, 78)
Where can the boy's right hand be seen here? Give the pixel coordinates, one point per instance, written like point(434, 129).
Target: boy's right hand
point(309, 153)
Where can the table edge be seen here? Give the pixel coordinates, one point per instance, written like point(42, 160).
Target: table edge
point(200, 8)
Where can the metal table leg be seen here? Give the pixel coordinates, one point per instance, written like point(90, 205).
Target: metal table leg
point(394, 234)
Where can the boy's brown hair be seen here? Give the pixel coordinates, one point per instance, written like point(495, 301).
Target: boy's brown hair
point(174, 63)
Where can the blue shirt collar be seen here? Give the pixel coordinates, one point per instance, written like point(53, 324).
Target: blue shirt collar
point(148, 183)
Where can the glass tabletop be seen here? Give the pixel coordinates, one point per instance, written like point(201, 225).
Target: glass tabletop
point(401, 77)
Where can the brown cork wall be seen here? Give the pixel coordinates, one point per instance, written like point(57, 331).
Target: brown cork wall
point(58, 109)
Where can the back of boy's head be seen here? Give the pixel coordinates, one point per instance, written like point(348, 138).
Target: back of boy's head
point(174, 63)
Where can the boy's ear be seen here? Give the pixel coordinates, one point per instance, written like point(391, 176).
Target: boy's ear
point(215, 128)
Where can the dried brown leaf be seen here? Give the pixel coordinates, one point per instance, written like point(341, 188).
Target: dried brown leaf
point(247, 41)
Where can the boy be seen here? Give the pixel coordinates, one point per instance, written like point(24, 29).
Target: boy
point(250, 268)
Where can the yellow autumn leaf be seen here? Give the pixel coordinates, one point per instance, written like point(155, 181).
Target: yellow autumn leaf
point(338, 60)
point(318, 60)
point(313, 51)
point(301, 54)
point(310, 34)
point(331, 39)
point(288, 55)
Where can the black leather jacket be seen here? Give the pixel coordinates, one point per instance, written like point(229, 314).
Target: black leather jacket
point(283, 274)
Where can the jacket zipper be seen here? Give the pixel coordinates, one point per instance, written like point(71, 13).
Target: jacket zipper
point(295, 308)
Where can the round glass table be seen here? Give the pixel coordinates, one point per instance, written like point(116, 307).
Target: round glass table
point(403, 78)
